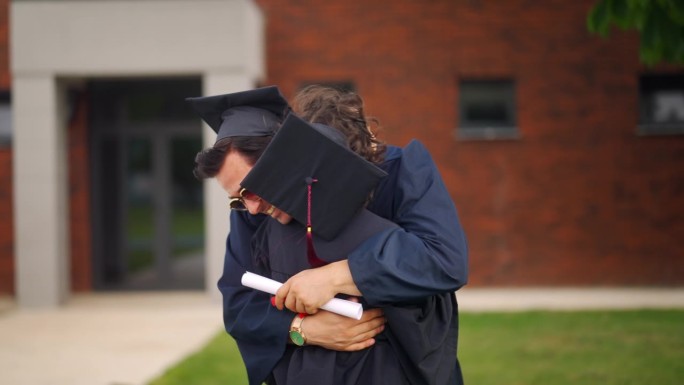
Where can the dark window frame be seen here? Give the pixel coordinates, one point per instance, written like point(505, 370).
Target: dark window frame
point(6, 133)
point(650, 85)
point(495, 96)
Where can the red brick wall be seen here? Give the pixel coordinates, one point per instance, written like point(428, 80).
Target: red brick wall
point(79, 196)
point(579, 199)
point(6, 224)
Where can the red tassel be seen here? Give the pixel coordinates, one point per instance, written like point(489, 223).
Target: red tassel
point(311, 256)
point(314, 261)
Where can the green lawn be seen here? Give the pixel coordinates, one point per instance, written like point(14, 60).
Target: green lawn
point(219, 363)
point(602, 347)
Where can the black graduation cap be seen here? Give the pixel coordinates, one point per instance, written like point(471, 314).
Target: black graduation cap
point(304, 157)
point(255, 112)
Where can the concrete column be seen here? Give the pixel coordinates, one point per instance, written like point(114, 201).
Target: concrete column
point(40, 192)
point(224, 40)
point(215, 199)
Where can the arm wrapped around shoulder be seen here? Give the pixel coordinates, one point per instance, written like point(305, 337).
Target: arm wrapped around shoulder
point(429, 255)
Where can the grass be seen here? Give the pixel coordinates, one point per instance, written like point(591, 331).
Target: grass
point(219, 362)
point(598, 347)
point(635, 347)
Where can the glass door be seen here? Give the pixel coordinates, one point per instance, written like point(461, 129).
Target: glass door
point(147, 206)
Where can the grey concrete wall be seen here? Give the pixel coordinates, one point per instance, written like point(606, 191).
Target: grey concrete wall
point(220, 40)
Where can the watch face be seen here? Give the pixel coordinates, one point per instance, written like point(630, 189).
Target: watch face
point(296, 338)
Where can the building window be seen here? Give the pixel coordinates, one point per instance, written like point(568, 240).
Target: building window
point(5, 118)
point(487, 110)
point(661, 104)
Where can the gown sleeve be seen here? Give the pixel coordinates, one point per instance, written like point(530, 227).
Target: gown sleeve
point(429, 254)
point(259, 329)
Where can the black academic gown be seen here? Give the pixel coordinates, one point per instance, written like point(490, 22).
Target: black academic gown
point(418, 345)
point(427, 257)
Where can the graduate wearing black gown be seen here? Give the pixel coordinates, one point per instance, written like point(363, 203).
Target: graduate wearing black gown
point(418, 345)
point(425, 257)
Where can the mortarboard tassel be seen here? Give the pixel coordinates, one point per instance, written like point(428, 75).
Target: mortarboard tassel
point(311, 256)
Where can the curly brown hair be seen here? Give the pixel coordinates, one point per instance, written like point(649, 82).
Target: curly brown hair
point(344, 111)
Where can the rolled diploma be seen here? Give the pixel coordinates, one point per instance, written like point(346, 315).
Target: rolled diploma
point(339, 306)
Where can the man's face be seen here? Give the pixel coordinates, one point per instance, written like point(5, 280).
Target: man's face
point(234, 169)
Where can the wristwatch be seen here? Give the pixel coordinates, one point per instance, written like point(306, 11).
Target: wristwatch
point(296, 334)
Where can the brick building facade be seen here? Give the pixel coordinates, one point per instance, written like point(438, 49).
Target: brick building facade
point(576, 197)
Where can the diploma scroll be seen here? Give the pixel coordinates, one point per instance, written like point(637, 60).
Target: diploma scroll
point(339, 306)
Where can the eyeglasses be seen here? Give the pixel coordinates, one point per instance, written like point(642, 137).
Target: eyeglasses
point(238, 203)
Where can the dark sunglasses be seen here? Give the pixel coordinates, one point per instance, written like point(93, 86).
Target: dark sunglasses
point(238, 203)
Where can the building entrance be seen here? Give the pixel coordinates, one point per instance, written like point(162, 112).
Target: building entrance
point(147, 212)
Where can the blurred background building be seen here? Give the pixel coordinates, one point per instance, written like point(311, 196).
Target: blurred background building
point(564, 154)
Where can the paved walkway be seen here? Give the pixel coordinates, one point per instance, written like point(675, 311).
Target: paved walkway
point(104, 339)
point(128, 339)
